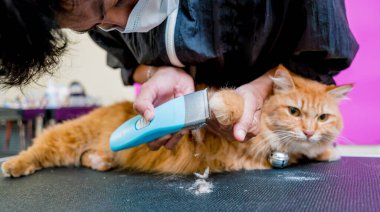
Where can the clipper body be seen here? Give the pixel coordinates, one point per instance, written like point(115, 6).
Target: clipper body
point(183, 112)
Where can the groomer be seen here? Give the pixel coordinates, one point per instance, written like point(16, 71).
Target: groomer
point(170, 45)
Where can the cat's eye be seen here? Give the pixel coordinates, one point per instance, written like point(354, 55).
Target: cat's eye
point(323, 117)
point(294, 111)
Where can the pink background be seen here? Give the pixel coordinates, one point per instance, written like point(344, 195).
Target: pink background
point(362, 112)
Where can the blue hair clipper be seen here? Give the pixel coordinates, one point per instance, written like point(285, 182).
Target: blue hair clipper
point(189, 111)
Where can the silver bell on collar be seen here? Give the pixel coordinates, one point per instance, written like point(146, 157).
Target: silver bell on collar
point(279, 160)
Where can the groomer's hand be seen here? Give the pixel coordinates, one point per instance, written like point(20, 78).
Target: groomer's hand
point(254, 94)
point(164, 84)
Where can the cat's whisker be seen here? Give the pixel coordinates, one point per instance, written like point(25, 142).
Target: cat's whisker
point(282, 139)
point(284, 132)
point(345, 140)
point(286, 142)
point(328, 138)
point(286, 138)
point(289, 134)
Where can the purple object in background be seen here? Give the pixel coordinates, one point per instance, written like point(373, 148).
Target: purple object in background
point(362, 112)
point(31, 114)
point(66, 113)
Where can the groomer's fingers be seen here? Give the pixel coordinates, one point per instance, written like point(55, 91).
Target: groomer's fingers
point(171, 144)
point(156, 144)
point(180, 90)
point(246, 122)
point(144, 101)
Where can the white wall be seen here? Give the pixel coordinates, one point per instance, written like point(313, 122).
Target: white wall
point(84, 62)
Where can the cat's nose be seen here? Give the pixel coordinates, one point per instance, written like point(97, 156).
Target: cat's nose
point(308, 133)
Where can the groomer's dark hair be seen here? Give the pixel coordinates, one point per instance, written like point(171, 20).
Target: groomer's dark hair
point(31, 42)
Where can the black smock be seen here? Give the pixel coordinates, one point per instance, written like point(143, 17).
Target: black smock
point(232, 42)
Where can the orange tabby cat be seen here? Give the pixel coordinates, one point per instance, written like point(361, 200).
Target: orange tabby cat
point(300, 118)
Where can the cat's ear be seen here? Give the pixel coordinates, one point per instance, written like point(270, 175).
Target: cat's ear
point(340, 92)
point(282, 80)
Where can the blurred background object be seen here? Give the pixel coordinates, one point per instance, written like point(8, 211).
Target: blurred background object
point(34, 112)
point(77, 94)
point(84, 62)
point(48, 100)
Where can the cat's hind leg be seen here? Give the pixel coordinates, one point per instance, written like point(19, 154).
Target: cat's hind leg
point(61, 145)
point(20, 165)
point(97, 160)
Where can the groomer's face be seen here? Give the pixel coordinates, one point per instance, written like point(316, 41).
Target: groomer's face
point(83, 15)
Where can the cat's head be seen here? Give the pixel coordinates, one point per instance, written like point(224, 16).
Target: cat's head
point(303, 111)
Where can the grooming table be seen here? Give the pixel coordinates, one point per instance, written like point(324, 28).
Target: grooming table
point(351, 184)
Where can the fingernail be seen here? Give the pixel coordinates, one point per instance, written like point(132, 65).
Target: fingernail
point(241, 134)
point(148, 115)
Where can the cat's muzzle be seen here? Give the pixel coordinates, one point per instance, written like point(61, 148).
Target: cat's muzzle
point(279, 160)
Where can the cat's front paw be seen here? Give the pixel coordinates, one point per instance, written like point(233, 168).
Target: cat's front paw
point(329, 155)
point(16, 167)
point(227, 106)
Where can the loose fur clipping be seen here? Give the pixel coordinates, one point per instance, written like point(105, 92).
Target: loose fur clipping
point(300, 118)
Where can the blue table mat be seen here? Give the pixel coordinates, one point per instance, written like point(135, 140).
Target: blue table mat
point(351, 184)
